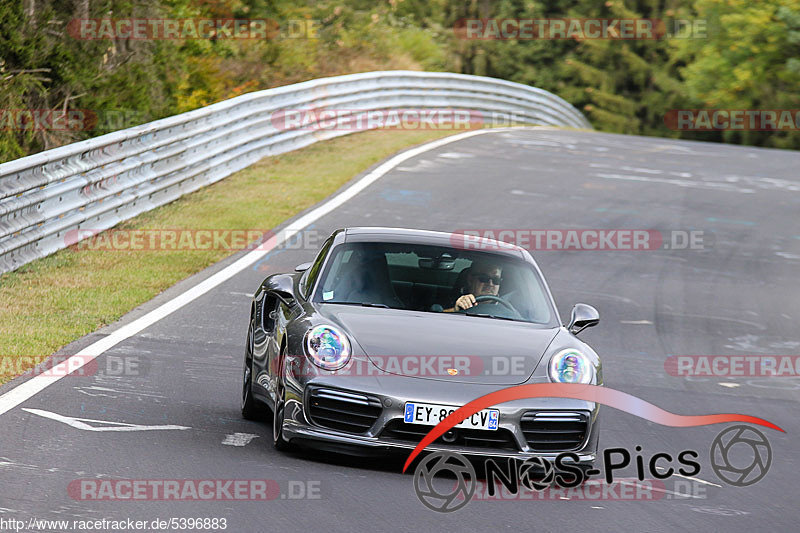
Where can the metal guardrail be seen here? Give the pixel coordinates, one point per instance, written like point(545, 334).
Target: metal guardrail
point(99, 182)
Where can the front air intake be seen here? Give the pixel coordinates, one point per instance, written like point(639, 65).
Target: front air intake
point(550, 431)
point(343, 411)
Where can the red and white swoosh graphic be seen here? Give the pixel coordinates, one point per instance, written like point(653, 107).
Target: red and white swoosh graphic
point(590, 393)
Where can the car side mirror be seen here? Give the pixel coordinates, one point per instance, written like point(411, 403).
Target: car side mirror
point(583, 316)
point(282, 285)
point(302, 267)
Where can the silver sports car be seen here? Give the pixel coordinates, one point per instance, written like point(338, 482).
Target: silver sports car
point(389, 330)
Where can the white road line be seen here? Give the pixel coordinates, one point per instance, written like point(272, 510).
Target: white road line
point(35, 385)
point(239, 439)
point(703, 481)
point(105, 425)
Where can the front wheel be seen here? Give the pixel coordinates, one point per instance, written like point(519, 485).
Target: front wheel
point(249, 406)
point(278, 411)
point(278, 440)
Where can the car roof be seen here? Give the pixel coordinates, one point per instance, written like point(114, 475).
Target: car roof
point(462, 240)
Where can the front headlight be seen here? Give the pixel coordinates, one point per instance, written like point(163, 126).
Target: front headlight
point(571, 366)
point(327, 347)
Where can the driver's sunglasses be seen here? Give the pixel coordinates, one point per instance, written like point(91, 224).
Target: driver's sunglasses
point(485, 278)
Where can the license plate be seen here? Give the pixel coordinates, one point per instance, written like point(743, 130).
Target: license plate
point(429, 414)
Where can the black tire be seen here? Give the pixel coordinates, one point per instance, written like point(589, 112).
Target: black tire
point(278, 441)
point(249, 403)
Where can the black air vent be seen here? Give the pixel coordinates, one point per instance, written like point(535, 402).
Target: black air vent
point(344, 411)
point(550, 431)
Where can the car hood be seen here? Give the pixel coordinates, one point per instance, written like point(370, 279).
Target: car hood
point(427, 345)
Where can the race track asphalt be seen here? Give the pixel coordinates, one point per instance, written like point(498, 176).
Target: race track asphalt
point(738, 295)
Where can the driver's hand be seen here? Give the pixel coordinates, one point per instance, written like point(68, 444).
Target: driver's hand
point(465, 302)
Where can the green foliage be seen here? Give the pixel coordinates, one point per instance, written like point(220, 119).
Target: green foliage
point(748, 62)
point(749, 59)
point(124, 82)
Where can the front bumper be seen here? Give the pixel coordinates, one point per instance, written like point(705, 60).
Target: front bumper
point(361, 446)
point(385, 432)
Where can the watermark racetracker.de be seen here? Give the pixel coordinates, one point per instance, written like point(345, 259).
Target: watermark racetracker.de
point(192, 28)
point(165, 240)
point(73, 120)
point(733, 366)
point(412, 365)
point(208, 489)
point(579, 28)
point(396, 118)
point(733, 119)
point(585, 239)
point(77, 365)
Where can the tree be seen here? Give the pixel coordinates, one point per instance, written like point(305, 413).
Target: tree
point(749, 61)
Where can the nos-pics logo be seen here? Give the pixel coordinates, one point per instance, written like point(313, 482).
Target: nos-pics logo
point(446, 481)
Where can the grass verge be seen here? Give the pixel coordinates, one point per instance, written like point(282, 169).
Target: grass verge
point(53, 301)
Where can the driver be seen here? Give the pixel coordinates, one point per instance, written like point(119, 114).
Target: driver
point(483, 280)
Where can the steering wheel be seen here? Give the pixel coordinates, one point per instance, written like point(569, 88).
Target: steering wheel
point(490, 298)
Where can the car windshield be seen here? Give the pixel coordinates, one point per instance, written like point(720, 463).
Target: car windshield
point(431, 278)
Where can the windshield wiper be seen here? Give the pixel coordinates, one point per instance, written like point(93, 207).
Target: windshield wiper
point(362, 304)
point(486, 315)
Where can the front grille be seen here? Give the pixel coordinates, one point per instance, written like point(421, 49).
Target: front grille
point(550, 431)
point(501, 439)
point(344, 411)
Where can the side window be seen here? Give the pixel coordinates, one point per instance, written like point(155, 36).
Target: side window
point(310, 276)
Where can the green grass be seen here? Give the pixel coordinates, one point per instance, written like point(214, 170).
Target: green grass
point(53, 301)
